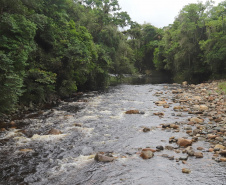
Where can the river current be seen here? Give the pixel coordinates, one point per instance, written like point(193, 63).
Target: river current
point(98, 123)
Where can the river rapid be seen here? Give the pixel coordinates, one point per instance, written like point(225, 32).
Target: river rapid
point(97, 123)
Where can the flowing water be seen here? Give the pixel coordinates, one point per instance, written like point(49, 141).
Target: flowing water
point(99, 124)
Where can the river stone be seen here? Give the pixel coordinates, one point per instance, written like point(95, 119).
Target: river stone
point(159, 147)
point(103, 158)
point(132, 112)
point(146, 129)
point(54, 131)
point(223, 159)
point(146, 153)
point(196, 120)
point(221, 147)
point(184, 142)
point(223, 153)
point(198, 154)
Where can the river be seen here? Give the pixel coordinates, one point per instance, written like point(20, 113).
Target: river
point(98, 123)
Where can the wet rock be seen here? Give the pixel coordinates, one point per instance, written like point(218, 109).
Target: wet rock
point(159, 147)
point(223, 153)
point(146, 129)
point(198, 154)
point(174, 126)
point(177, 108)
point(132, 112)
point(146, 153)
point(159, 114)
point(2, 129)
point(169, 148)
point(171, 157)
point(103, 158)
point(189, 150)
point(196, 120)
point(185, 83)
point(200, 148)
point(185, 158)
point(223, 159)
point(186, 170)
point(165, 155)
point(26, 150)
point(166, 106)
point(211, 136)
point(78, 125)
point(184, 142)
point(54, 131)
point(160, 103)
point(221, 147)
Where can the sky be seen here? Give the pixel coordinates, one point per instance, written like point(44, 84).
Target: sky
point(159, 13)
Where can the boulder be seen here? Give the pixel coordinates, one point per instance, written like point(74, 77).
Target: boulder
point(221, 147)
point(146, 129)
point(54, 131)
point(186, 170)
point(103, 158)
point(132, 112)
point(146, 153)
point(198, 154)
point(196, 120)
point(184, 142)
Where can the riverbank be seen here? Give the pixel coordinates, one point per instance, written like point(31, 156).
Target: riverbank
point(206, 103)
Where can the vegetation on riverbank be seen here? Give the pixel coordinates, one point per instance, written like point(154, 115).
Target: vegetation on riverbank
point(222, 87)
point(49, 49)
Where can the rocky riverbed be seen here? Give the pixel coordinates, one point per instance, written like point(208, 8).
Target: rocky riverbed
point(133, 134)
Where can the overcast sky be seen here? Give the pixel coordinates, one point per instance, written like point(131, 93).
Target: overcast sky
point(159, 13)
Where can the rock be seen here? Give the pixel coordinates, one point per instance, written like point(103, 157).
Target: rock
point(160, 103)
point(221, 147)
point(177, 108)
point(169, 148)
point(159, 147)
point(159, 114)
point(132, 112)
point(221, 139)
point(171, 157)
point(26, 150)
point(203, 108)
point(196, 120)
point(189, 150)
point(184, 142)
point(200, 148)
point(198, 154)
point(78, 125)
point(211, 136)
point(54, 131)
point(185, 83)
point(211, 150)
point(223, 159)
point(223, 153)
point(174, 126)
point(146, 153)
point(166, 106)
point(146, 129)
point(165, 155)
point(2, 129)
point(103, 158)
point(186, 170)
point(183, 158)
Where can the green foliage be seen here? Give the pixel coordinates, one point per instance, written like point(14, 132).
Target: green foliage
point(194, 48)
point(16, 43)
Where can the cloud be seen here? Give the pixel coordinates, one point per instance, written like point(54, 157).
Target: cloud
point(159, 13)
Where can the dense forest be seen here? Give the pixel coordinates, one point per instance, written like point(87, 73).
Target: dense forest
point(50, 49)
